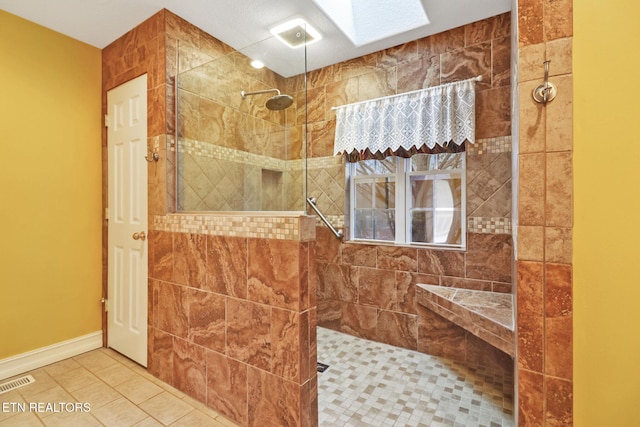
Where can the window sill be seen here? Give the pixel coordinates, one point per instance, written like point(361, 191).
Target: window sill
point(405, 245)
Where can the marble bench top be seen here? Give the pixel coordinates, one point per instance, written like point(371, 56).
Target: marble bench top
point(487, 315)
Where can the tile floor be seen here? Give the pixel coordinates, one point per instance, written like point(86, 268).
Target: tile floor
point(119, 392)
point(373, 384)
point(366, 384)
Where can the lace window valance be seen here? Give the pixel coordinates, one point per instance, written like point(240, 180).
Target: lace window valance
point(431, 120)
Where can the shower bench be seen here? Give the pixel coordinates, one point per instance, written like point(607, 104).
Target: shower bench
point(487, 315)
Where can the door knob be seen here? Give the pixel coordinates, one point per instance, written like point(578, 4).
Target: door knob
point(139, 236)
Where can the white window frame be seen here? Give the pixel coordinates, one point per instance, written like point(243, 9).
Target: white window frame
point(402, 202)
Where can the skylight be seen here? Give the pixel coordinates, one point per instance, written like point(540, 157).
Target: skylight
point(366, 21)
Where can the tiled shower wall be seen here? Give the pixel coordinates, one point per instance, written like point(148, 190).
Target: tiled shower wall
point(235, 154)
point(368, 290)
point(545, 216)
point(231, 299)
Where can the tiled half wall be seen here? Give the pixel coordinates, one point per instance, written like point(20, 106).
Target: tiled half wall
point(233, 323)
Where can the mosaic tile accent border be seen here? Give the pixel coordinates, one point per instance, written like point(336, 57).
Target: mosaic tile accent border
point(336, 220)
point(207, 149)
point(279, 227)
point(489, 225)
point(500, 144)
point(325, 162)
point(474, 224)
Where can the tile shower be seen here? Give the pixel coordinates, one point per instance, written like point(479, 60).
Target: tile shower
point(185, 339)
point(369, 290)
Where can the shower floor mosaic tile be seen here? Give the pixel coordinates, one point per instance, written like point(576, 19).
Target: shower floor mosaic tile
point(373, 384)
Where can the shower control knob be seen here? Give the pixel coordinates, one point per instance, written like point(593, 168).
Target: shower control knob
point(139, 236)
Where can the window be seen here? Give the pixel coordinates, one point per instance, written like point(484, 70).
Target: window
point(417, 201)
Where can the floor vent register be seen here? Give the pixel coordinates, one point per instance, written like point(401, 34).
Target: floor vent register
point(17, 383)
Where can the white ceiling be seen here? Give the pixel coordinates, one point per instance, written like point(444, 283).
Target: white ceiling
point(240, 23)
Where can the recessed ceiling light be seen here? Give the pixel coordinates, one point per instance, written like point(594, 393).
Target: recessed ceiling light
point(296, 33)
point(257, 64)
point(366, 21)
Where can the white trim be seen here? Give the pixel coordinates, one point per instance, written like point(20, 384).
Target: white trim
point(402, 180)
point(50, 354)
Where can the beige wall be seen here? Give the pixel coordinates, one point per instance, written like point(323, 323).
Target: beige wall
point(50, 184)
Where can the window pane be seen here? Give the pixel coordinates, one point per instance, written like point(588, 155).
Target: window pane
point(436, 210)
point(376, 167)
point(421, 192)
point(448, 193)
point(385, 224)
point(364, 195)
point(375, 224)
point(450, 161)
point(431, 162)
point(423, 162)
point(385, 194)
point(363, 224)
point(422, 226)
point(447, 227)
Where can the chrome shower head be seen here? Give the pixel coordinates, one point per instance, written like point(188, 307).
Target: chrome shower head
point(275, 103)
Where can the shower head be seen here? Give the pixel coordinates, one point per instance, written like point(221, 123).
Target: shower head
point(277, 102)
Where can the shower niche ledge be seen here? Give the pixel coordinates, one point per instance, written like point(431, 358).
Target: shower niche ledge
point(487, 315)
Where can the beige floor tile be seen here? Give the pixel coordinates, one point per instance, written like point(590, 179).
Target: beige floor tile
point(225, 421)
point(138, 389)
point(76, 379)
point(52, 395)
point(95, 360)
point(201, 406)
point(9, 404)
point(196, 419)
point(43, 382)
point(119, 357)
point(61, 367)
point(120, 412)
point(148, 422)
point(166, 408)
point(115, 375)
point(71, 419)
point(177, 393)
point(24, 419)
point(97, 394)
point(112, 385)
point(142, 371)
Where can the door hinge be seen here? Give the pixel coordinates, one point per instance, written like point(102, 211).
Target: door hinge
point(106, 120)
point(105, 302)
point(106, 214)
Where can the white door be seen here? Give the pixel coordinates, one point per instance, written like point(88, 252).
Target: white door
point(127, 208)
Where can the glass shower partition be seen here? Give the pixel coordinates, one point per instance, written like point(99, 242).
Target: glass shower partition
point(241, 132)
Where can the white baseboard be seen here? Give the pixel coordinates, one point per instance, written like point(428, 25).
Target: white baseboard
point(50, 354)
